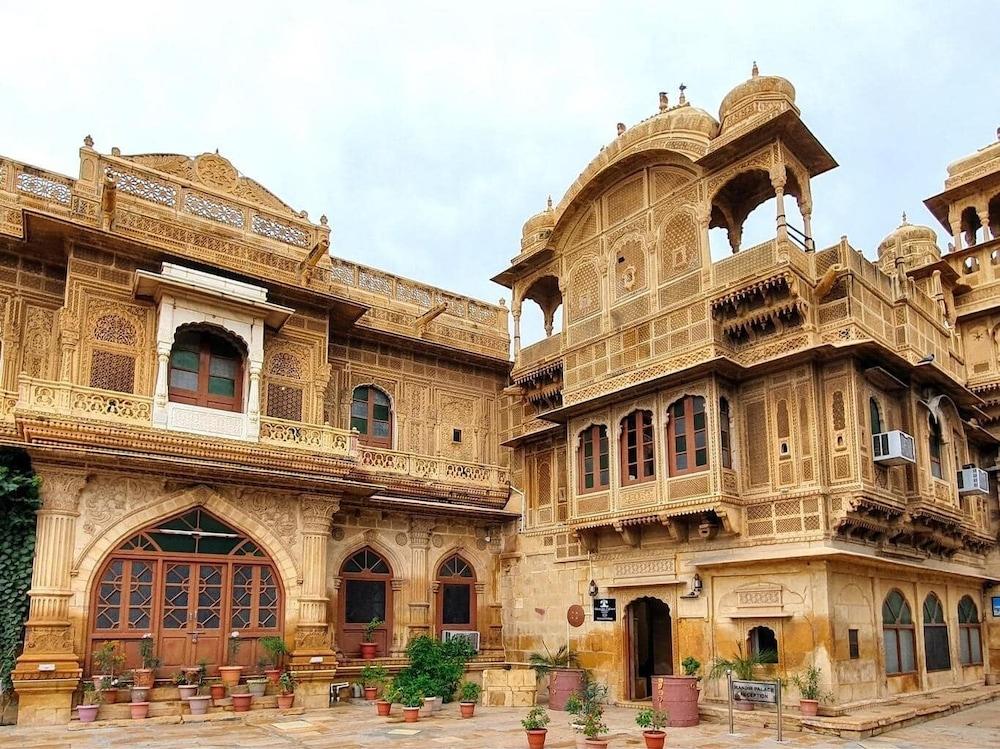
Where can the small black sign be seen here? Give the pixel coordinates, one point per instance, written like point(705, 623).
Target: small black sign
point(605, 610)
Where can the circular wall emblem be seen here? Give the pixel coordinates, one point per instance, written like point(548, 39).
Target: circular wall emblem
point(215, 171)
point(575, 615)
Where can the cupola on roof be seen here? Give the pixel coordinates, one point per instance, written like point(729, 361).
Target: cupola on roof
point(751, 97)
point(539, 226)
point(907, 234)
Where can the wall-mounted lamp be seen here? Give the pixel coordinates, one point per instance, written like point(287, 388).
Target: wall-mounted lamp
point(592, 589)
point(696, 586)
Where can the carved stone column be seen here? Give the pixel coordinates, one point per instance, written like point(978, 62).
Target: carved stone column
point(312, 638)
point(160, 387)
point(983, 212)
point(398, 637)
point(517, 330)
point(48, 671)
point(420, 589)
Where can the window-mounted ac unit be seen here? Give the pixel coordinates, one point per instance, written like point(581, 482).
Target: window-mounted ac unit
point(972, 480)
point(462, 634)
point(893, 448)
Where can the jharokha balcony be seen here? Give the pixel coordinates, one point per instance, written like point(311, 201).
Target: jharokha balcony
point(60, 414)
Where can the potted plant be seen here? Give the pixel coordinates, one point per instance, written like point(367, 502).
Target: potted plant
point(146, 676)
point(187, 684)
point(564, 675)
point(108, 658)
point(652, 723)
point(594, 729)
point(743, 667)
point(257, 686)
point(276, 649)
point(468, 696)
point(230, 674)
point(109, 690)
point(807, 683)
point(91, 703)
point(368, 645)
point(413, 699)
point(241, 700)
point(677, 696)
point(383, 706)
point(198, 703)
point(372, 678)
point(286, 683)
point(534, 726)
point(217, 691)
point(588, 701)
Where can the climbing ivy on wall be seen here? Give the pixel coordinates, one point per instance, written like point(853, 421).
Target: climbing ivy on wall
point(18, 502)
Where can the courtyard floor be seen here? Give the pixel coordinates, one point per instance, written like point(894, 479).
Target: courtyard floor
point(355, 726)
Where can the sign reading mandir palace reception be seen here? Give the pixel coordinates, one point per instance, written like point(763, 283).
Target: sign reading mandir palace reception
point(784, 451)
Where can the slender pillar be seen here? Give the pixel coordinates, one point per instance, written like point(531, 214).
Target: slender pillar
point(420, 588)
point(778, 183)
point(517, 330)
point(984, 218)
point(253, 400)
point(400, 628)
point(47, 673)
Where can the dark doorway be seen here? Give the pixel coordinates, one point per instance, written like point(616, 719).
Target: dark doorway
point(649, 641)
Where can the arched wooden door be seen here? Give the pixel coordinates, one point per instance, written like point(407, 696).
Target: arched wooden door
point(365, 594)
point(188, 582)
point(456, 595)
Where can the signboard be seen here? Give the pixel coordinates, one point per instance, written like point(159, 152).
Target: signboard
point(605, 609)
point(765, 692)
point(995, 601)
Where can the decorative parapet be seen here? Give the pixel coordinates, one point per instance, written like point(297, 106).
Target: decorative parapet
point(296, 435)
point(433, 468)
point(68, 400)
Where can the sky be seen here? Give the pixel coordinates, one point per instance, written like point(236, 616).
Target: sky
point(428, 132)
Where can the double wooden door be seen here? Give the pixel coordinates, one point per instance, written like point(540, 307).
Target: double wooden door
point(192, 628)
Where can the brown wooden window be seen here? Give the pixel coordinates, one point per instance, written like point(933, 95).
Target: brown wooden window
point(936, 651)
point(897, 634)
point(593, 464)
point(970, 633)
point(725, 434)
point(456, 594)
point(687, 443)
point(371, 415)
point(875, 416)
point(638, 458)
point(934, 442)
point(206, 370)
point(853, 644)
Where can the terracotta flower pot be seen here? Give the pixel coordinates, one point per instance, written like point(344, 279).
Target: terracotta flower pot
point(368, 650)
point(187, 690)
point(562, 683)
point(744, 705)
point(139, 710)
point(428, 707)
point(272, 674)
point(371, 693)
point(218, 692)
point(241, 702)
point(87, 713)
point(257, 688)
point(199, 704)
point(809, 708)
point(411, 714)
point(230, 675)
point(677, 696)
point(143, 677)
point(536, 738)
point(110, 696)
point(654, 739)
point(383, 707)
point(596, 743)
point(140, 694)
point(285, 701)
point(97, 679)
point(438, 704)
point(467, 709)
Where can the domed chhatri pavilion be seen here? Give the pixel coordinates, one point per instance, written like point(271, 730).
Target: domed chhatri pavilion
point(792, 448)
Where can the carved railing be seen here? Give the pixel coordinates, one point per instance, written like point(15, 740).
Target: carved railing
point(544, 349)
point(68, 400)
point(311, 437)
point(433, 468)
point(8, 400)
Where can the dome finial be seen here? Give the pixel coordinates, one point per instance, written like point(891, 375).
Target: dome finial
point(905, 222)
point(665, 102)
point(548, 204)
point(754, 72)
point(682, 100)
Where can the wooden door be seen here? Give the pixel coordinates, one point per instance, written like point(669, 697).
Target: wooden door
point(192, 625)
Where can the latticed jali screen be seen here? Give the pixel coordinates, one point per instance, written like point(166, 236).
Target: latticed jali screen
point(112, 371)
point(284, 402)
point(785, 517)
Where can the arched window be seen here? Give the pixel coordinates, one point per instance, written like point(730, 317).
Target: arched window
point(206, 370)
point(638, 459)
point(456, 594)
point(687, 443)
point(365, 594)
point(875, 416)
point(934, 443)
point(762, 640)
point(935, 635)
point(592, 459)
point(897, 634)
point(725, 432)
point(371, 415)
point(970, 634)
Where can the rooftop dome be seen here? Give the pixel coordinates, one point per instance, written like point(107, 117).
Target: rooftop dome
point(686, 117)
point(907, 234)
point(538, 227)
point(757, 88)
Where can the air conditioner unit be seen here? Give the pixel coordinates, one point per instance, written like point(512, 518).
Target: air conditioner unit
point(893, 448)
point(462, 634)
point(972, 480)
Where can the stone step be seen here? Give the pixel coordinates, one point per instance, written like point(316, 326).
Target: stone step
point(160, 708)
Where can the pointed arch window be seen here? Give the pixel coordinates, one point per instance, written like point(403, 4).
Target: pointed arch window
point(593, 459)
point(371, 416)
point(762, 641)
point(897, 635)
point(970, 633)
point(725, 434)
point(365, 594)
point(206, 369)
point(687, 438)
point(936, 650)
point(638, 458)
point(456, 582)
point(934, 444)
point(875, 417)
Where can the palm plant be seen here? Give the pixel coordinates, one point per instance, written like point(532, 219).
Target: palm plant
point(564, 657)
point(743, 665)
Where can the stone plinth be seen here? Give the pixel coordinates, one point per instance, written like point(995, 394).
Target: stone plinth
point(509, 687)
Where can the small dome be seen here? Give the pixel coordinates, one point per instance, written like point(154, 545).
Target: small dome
point(756, 88)
point(907, 235)
point(539, 227)
point(686, 117)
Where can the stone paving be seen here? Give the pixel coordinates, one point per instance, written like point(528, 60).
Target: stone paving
point(354, 726)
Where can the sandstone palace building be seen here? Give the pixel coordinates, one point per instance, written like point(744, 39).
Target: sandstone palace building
point(793, 447)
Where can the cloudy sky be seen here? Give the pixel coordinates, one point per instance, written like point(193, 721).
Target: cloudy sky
point(428, 132)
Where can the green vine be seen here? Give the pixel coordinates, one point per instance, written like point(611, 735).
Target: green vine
point(18, 503)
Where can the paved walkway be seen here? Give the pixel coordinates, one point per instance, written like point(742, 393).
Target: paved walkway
point(355, 726)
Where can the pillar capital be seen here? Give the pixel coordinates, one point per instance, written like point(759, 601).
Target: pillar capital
point(317, 513)
point(60, 489)
point(420, 532)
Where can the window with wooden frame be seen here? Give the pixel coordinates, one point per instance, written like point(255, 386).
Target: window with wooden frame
point(457, 594)
point(206, 369)
point(875, 417)
point(638, 456)
point(725, 434)
point(687, 439)
point(371, 415)
point(936, 651)
point(970, 633)
point(593, 460)
point(897, 635)
point(934, 443)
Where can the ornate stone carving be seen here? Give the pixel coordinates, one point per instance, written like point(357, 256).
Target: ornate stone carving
point(317, 513)
point(46, 639)
point(401, 539)
point(420, 532)
point(60, 490)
